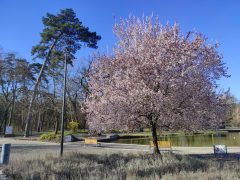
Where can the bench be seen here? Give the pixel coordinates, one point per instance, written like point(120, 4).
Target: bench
point(162, 144)
point(91, 141)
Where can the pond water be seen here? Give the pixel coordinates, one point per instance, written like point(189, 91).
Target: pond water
point(196, 140)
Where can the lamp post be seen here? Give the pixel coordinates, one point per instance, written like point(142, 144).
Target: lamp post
point(64, 104)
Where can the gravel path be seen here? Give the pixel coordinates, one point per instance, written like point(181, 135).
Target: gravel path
point(28, 146)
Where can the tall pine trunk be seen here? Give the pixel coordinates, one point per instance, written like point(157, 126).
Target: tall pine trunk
point(12, 107)
point(29, 114)
point(55, 113)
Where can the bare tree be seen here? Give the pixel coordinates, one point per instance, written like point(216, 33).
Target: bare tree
point(77, 92)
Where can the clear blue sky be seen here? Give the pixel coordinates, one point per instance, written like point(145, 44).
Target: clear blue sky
point(20, 24)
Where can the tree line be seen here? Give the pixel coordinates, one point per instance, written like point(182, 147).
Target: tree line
point(17, 78)
point(233, 114)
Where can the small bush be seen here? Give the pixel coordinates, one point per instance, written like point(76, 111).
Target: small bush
point(50, 137)
point(73, 126)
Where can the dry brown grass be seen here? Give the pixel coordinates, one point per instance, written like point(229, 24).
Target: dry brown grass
point(122, 166)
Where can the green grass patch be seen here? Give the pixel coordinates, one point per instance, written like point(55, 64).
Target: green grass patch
point(79, 131)
point(50, 137)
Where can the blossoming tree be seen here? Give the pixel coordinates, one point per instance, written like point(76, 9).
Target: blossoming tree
point(157, 77)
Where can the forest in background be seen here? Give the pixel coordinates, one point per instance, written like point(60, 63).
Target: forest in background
point(17, 77)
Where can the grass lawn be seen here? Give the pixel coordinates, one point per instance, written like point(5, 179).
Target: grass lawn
point(122, 166)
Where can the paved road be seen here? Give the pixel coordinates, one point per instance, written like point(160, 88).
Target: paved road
point(26, 146)
point(36, 147)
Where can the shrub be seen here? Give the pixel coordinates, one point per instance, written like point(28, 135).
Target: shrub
point(73, 126)
point(50, 137)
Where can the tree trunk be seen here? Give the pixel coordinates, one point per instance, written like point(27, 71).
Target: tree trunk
point(10, 115)
point(56, 125)
point(39, 122)
point(22, 117)
point(155, 139)
point(4, 126)
point(73, 107)
point(42, 123)
point(55, 114)
point(5, 121)
point(29, 114)
point(12, 106)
